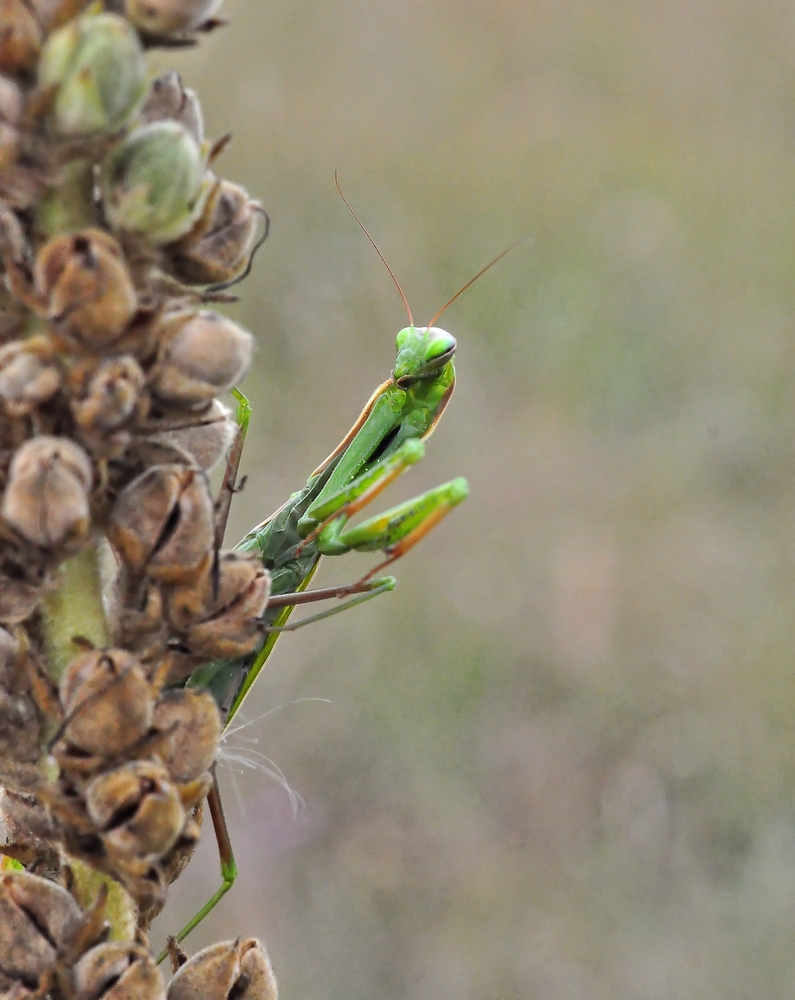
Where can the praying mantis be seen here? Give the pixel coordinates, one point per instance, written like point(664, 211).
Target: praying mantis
point(385, 440)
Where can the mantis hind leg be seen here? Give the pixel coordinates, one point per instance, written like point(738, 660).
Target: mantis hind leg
point(227, 859)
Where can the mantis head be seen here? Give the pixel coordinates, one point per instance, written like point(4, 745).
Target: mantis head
point(422, 353)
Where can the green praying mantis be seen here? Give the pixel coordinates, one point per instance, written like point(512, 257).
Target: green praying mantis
point(385, 440)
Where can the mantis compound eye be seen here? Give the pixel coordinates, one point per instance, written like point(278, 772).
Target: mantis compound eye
point(403, 336)
point(46, 499)
point(118, 970)
point(95, 65)
point(153, 183)
point(439, 345)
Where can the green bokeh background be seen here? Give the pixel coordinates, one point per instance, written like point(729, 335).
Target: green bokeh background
point(559, 761)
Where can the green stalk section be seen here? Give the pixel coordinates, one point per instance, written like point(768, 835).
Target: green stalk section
point(120, 909)
point(74, 610)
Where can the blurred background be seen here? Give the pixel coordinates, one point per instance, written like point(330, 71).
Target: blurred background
point(559, 761)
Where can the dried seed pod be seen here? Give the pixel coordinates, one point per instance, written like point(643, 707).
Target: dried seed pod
point(20, 729)
point(137, 810)
point(141, 622)
point(83, 279)
point(162, 524)
point(37, 919)
point(168, 100)
point(19, 594)
point(52, 14)
point(118, 970)
point(28, 374)
point(9, 658)
point(228, 969)
point(218, 247)
point(203, 438)
point(189, 725)
point(153, 182)
point(205, 354)
point(107, 701)
point(46, 498)
point(168, 17)
point(10, 113)
point(96, 67)
point(226, 624)
point(20, 37)
point(112, 397)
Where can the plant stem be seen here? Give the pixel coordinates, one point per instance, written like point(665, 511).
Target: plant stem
point(74, 610)
point(120, 909)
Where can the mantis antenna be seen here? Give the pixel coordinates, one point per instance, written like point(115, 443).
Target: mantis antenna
point(480, 274)
point(375, 245)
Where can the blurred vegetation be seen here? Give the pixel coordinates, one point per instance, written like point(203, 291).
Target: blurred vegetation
point(558, 761)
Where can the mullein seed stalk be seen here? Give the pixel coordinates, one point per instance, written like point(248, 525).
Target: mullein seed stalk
point(116, 238)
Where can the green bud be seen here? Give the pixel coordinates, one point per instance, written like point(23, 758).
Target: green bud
point(154, 182)
point(97, 66)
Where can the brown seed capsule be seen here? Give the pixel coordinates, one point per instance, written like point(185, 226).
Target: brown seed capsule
point(228, 969)
point(203, 438)
point(83, 279)
point(18, 594)
point(118, 970)
point(20, 730)
point(37, 918)
point(112, 397)
point(10, 113)
point(141, 623)
point(137, 810)
point(218, 247)
point(225, 625)
point(46, 498)
point(107, 701)
point(53, 13)
point(168, 17)
point(29, 375)
point(205, 354)
point(168, 100)
point(189, 725)
point(20, 37)
point(162, 524)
